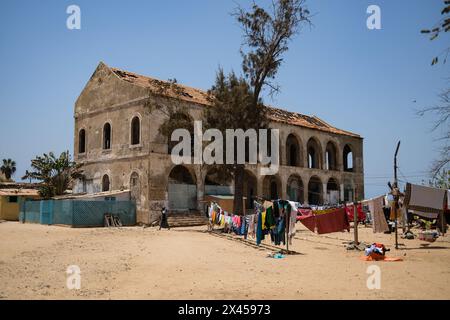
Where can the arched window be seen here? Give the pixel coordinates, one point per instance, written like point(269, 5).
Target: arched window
point(292, 151)
point(314, 158)
point(105, 183)
point(271, 187)
point(330, 157)
point(348, 158)
point(135, 131)
point(107, 136)
point(82, 141)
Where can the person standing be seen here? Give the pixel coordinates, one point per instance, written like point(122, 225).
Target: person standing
point(164, 223)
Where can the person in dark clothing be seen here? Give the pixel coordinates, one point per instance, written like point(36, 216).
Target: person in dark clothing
point(163, 223)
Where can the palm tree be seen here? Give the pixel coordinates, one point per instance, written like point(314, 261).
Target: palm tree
point(55, 173)
point(8, 168)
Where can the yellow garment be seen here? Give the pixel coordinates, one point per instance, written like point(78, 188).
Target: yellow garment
point(263, 217)
point(399, 213)
point(317, 212)
point(222, 221)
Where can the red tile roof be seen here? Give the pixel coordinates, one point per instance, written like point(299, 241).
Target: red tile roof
point(189, 94)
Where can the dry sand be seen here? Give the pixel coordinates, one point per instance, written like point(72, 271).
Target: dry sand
point(189, 263)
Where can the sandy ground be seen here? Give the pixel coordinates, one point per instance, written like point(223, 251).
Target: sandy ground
point(189, 263)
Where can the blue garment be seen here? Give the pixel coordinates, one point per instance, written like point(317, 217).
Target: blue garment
point(243, 224)
point(259, 233)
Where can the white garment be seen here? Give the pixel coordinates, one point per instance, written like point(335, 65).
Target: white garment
point(292, 221)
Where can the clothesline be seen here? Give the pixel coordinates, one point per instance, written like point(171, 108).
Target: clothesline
point(275, 218)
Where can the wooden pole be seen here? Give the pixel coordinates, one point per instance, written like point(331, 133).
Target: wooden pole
point(396, 195)
point(288, 221)
point(355, 219)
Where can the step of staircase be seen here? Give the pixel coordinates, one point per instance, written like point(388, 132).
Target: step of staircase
point(186, 219)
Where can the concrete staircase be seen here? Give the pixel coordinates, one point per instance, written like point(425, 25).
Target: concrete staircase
point(186, 219)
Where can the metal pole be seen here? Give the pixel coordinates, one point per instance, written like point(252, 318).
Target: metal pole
point(395, 194)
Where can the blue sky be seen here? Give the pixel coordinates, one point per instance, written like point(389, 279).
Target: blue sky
point(361, 80)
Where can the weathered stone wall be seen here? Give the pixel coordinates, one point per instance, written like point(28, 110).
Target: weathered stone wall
point(108, 99)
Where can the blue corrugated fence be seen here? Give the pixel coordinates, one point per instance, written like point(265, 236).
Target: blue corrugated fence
point(76, 213)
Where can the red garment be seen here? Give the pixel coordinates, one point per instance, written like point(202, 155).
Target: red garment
point(332, 222)
point(308, 221)
point(350, 213)
point(335, 221)
point(303, 213)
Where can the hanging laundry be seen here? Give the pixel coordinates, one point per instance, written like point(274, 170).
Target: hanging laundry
point(379, 220)
point(251, 226)
point(350, 213)
point(269, 221)
point(334, 221)
point(425, 199)
point(292, 221)
point(259, 233)
point(267, 204)
point(309, 221)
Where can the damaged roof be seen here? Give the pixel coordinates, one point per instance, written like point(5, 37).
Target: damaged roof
point(19, 192)
point(189, 94)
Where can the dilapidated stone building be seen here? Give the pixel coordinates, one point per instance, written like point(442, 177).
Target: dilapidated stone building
point(117, 138)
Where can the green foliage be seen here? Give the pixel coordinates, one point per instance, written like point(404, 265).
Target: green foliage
point(441, 180)
point(232, 108)
point(232, 105)
point(8, 168)
point(266, 35)
point(266, 38)
point(55, 173)
point(442, 26)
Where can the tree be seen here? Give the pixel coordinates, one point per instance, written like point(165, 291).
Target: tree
point(266, 37)
point(8, 168)
point(55, 173)
point(232, 108)
point(443, 25)
point(441, 180)
point(442, 109)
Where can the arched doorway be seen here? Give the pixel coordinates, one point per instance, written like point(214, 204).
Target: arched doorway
point(295, 189)
point(249, 189)
point(272, 187)
point(314, 154)
point(105, 183)
point(182, 189)
point(315, 192)
point(333, 191)
point(135, 188)
point(215, 184)
point(349, 193)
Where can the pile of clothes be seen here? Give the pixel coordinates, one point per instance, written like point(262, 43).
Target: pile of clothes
point(377, 252)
